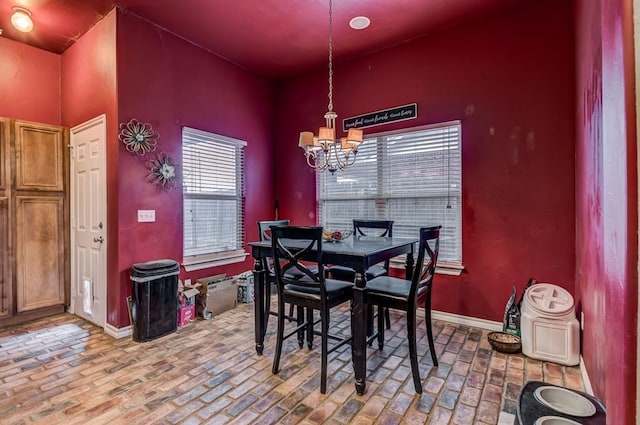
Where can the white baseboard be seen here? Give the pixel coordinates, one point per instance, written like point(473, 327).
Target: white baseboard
point(464, 320)
point(585, 377)
point(118, 333)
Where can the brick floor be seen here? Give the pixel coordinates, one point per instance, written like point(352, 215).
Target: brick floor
point(63, 370)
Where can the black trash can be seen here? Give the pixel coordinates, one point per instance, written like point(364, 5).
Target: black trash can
point(154, 303)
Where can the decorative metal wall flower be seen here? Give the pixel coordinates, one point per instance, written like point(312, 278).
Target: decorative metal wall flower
point(139, 138)
point(162, 171)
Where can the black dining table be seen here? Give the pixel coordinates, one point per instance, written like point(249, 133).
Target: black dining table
point(356, 252)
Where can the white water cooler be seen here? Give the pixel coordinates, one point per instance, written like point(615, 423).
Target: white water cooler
point(548, 325)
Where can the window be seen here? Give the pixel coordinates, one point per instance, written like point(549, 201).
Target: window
point(411, 176)
point(213, 169)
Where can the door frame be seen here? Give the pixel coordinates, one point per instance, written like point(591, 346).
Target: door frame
point(102, 290)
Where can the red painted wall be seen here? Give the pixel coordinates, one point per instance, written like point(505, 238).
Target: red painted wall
point(510, 80)
point(89, 90)
point(607, 203)
point(29, 83)
point(170, 83)
point(590, 293)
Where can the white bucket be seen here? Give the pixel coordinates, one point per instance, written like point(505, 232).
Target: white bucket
point(548, 326)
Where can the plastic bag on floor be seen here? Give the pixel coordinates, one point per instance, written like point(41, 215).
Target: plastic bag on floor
point(511, 321)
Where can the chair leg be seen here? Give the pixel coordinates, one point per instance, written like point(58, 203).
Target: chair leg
point(267, 304)
point(290, 310)
point(324, 321)
point(413, 353)
point(427, 319)
point(310, 328)
point(380, 327)
point(279, 338)
point(387, 317)
point(300, 321)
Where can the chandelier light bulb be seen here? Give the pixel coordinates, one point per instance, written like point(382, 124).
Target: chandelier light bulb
point(21, 19)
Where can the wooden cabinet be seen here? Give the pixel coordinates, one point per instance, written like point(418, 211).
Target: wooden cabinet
point(34, 220)
point(39, 251)
point(39, 159)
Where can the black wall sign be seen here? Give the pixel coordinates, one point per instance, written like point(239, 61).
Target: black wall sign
point(386, 116)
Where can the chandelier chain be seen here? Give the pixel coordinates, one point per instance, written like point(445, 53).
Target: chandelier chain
point(330, 56)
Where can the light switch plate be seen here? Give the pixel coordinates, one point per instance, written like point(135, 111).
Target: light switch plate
point(146, 216)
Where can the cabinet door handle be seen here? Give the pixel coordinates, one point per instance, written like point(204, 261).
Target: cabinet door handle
point(100, 239)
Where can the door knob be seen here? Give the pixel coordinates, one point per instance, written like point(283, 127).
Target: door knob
point(100, 239)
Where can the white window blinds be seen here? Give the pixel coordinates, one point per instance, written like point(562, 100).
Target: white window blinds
point(413, 177)
point(213, 170)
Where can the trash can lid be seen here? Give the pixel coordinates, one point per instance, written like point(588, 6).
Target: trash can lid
point(154, 268)
point(549, 299)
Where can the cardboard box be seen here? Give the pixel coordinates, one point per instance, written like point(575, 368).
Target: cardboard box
point(187, 304)
point(186, 314)
point(188, 296)
point(245, 289)
point(218, 294)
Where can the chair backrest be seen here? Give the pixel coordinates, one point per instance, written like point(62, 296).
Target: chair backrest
point(264, 230)
point(289, 258)
point(374, 228)
point(425, 267)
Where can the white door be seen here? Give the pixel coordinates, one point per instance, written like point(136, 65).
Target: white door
point(88, 221)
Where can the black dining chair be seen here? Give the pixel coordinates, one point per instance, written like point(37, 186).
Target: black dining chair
point(368, 228)
point(407, 295)
point(311, 292)
point(264, 231)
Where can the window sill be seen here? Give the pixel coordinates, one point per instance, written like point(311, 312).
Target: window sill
point(451, 269)
point(199, 262)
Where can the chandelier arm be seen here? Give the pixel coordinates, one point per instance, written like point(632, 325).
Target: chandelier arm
point(353, 160)
point(324, 165)
point(350, 158)
point(345, 162)
point(315, 165)
point(342, 164)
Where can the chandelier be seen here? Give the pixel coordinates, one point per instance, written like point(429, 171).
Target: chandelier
point(324, 152)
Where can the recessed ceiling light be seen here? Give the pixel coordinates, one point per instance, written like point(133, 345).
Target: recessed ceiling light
point(21, 19)
point(359, 22)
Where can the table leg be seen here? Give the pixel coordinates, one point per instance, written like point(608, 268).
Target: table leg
point(409, 266)
point(260, 280)
point(359, 331)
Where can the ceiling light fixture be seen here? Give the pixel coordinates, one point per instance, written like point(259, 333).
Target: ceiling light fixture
point(21, 19)
point(324, 152)
point(359, 22)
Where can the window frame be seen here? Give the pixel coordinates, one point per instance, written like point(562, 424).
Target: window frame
point(214, 258)
point(443, 267)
